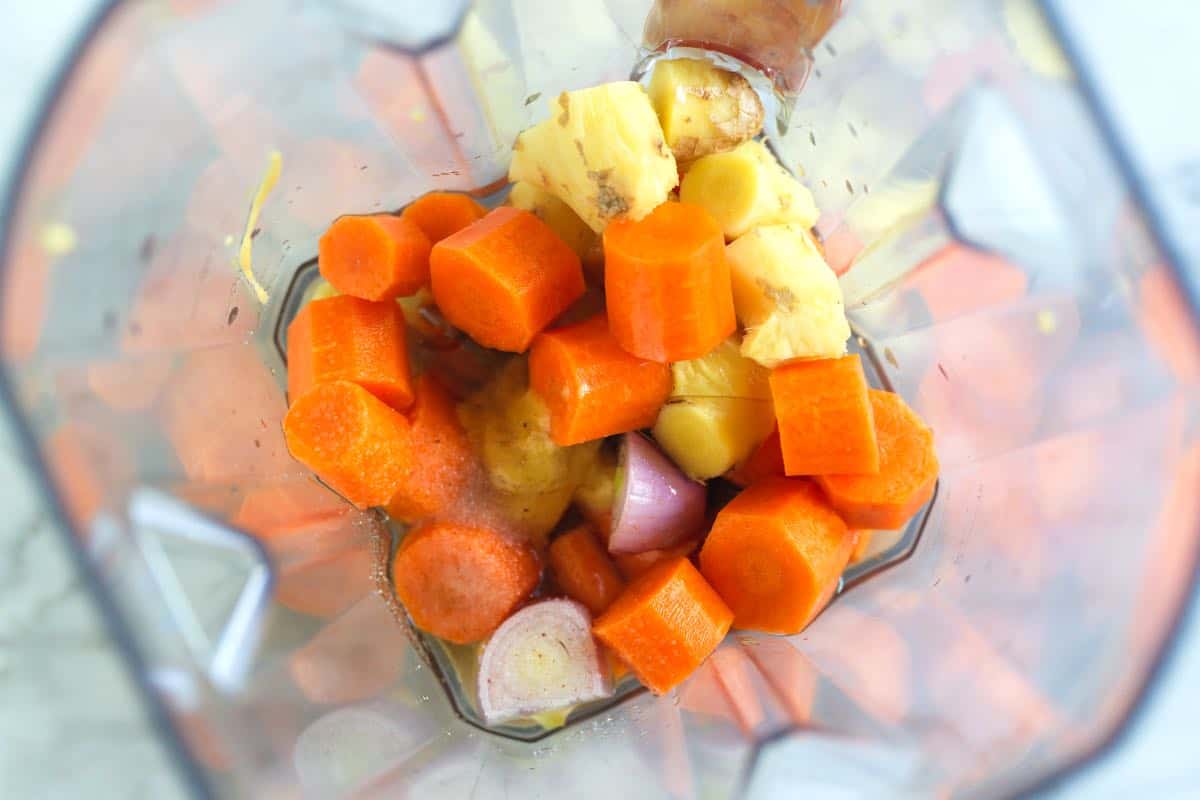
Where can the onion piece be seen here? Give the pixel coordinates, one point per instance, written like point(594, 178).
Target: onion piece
point(656, 505)
point(542, 658)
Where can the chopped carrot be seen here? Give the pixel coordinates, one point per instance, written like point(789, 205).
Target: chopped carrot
point(440, 214)
point(765, 462)
point(459, 582)
point(327, 587)
point(775, 555)
point(634, 565)
point(345, 338)
point(351, 440)
point(355, 657)
point(668, 284)
point(374, 256)
point(665, 624)
point(503, 279)
point(592, 387)
point(862, 543)
point(441, 460)
point(824, 417)
point(583, 570)
point(908, 470)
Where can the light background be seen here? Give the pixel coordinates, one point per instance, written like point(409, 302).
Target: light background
point(69, 724)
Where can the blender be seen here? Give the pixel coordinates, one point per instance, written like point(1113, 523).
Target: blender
point(998, 270)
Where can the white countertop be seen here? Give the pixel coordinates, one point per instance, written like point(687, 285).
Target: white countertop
point(70, 726)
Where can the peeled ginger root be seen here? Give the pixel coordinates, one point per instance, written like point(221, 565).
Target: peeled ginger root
point(703, 109)
point(747, 187)
point(719, 411)
point(602, 152)
point(786, 296)
point(561, 219)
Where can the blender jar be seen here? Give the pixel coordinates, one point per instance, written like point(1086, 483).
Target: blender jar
point(997, 271)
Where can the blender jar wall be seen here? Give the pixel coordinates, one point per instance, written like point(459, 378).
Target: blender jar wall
point(1000, 280)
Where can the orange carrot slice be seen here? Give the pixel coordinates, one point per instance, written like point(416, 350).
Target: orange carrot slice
point(459, 582)
point(440, 214)
point(665, 624)
point(355, 443)
point(441, 462)
point(775, 555)
point(503, 279)
point(668, 285)
point(374, 256)
point(908, 470)
point(862, 544)
point(765, 462)
point(592, 387)
point(634, 565)
point(824, 417)
point(583, 570)
point(344, 338)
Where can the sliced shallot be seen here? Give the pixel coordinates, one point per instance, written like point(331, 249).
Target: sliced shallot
point(656, 505)
point(541, 659)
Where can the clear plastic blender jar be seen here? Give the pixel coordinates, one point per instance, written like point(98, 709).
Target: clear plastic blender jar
point(997, 271)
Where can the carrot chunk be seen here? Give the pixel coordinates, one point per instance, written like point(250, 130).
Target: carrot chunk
point(440, 462)
point(775, 554)
point(665, 624)
point(374, 256)
point(503, 279)
point(351, 440)
point(441, 214)
point(667, 282)
point(765, 462)
point(824, 417)
point(862, 545)
point(344, 338)
point(459, 582)
point(908, 470)
point(583, 570)
point(592, 387)
point(634, 565)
